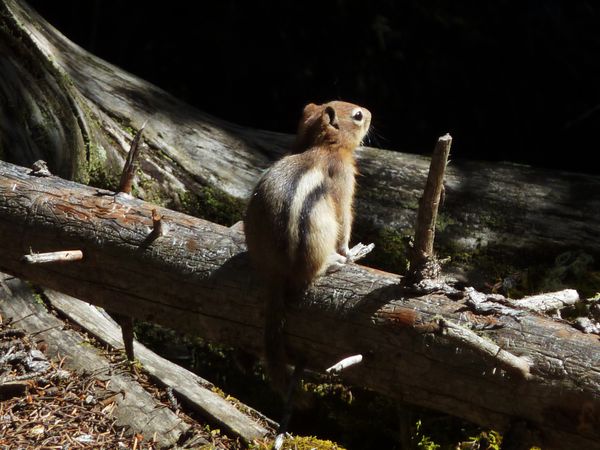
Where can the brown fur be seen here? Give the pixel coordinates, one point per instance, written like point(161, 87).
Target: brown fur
point(299, 217)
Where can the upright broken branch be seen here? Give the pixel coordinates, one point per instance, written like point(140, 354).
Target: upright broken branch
point(197, 279)
point(422, 260)
point(128, 173)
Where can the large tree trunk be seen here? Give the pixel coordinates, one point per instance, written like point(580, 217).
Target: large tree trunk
point(196, 278)
point(78, 112)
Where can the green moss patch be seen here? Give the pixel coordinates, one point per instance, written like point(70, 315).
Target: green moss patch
point(390, 252)
point(213, 205)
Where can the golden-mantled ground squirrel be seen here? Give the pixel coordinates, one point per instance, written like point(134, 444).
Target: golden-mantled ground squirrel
point(299, 217)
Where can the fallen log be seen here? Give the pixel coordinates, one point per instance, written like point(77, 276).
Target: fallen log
point(195, 277)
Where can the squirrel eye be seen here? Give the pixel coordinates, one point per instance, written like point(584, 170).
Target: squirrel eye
point(358, 115)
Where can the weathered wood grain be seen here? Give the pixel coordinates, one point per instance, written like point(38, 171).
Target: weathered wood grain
point(196, 278)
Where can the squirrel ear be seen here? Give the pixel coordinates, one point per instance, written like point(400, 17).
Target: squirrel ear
point(330, 117)
point(309, 110)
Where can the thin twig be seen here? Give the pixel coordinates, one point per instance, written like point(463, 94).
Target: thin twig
point(52, 257)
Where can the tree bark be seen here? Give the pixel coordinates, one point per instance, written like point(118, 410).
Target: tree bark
point(196, 278)
point(80, 113)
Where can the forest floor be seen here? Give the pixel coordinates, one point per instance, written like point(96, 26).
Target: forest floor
point(45, 406)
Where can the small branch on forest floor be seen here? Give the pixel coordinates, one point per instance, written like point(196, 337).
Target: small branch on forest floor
point(51, 257)
point(422, 260)
point(126, 182)
point(470, 339)
point(345, 363)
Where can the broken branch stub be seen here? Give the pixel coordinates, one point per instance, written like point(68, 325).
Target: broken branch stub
point(53, 257)
point(422, 260)
point(128, 173)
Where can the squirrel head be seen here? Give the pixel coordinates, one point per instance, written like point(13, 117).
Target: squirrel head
point(337, 125)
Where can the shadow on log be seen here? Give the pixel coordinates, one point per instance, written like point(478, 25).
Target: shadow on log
point(196, 278)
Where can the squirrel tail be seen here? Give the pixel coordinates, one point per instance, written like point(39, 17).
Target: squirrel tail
point(275, 354)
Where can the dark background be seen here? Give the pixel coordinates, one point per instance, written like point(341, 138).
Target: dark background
point(510, 80)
